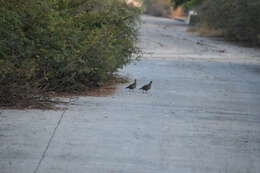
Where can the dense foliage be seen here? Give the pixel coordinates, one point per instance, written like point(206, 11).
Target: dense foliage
point(192, 3)
point(235, 19)
point(179, 2)
point(238, 19)
point(62, 45)
point(158, 7)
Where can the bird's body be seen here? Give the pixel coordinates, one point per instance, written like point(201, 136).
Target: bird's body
point(132, 86)
point(147, 86)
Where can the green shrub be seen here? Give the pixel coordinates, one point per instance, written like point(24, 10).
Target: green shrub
point(161, 8)
point(187, 3)
point(62, 45)
point(238, 19)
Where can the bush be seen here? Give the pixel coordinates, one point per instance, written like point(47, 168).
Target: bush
point(161, 8)
point(238, 19)
point(62, 45)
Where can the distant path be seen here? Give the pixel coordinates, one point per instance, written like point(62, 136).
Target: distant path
point(165, 38)
point(201, 116)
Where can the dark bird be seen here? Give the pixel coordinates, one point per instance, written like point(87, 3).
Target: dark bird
point(147, 86)
point(132, 86)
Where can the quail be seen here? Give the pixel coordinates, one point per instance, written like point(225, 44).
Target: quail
point(132, 86)
point(147, 86)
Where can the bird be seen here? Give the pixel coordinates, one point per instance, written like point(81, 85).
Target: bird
point(147, 86)
point(132, 86)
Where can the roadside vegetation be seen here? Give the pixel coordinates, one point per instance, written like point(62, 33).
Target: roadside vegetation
point(239, 20)
point(159, 8)
point(236, 20)
point(62, 46)
point(164, 8)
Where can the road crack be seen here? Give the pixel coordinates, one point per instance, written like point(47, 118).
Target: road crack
point(49, 142)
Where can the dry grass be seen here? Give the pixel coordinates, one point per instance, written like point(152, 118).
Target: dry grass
point(55, 101)
point(205, 30)
point(105, 89)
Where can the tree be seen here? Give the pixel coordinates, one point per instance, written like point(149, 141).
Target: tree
point(187, 3)
point(158, 7)
point(180, 2)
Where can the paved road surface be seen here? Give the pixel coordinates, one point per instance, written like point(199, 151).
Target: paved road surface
point(201, 116)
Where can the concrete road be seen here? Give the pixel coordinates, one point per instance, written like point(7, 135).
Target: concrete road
point(202, 115)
